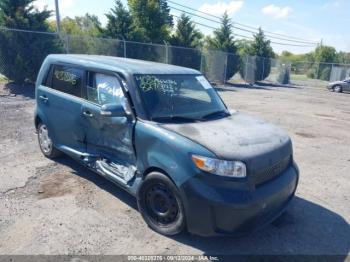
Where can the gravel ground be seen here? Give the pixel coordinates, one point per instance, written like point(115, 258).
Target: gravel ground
point(49, 207)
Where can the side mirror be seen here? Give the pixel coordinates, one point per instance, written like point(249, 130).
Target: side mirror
point(112, 110)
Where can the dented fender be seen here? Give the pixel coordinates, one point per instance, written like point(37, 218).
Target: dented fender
point(159, 148)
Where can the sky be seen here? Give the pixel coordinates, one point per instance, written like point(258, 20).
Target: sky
point(312, 20)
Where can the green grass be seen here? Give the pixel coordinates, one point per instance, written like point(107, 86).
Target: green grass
point(3, 79)
point(299, 77)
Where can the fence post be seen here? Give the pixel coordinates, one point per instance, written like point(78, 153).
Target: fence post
point(317, 69)
point(124, 44)
point(67, 43)
point(166, 52)
point(201, 69)
point(246, 69)
point(263, 68)
point(330, 75)
point(225, 68)
point(289, 71)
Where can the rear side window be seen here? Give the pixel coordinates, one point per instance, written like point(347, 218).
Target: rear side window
point(47, 78)
point(67, 79)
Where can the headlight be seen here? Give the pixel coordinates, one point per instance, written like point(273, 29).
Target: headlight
point(220, 167)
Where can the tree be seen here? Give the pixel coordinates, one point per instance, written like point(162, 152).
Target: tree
point(151, 20)
point(165, 10)
point(119, 22)
point(86, 25)
point(82, 35)
point(322, 56)
point(262, 51)
point(223, 36)
point(325, 54)
point(186, 35)
point(223, 40)
point(24, 52)
point(343, 57)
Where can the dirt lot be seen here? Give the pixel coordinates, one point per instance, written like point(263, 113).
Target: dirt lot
point(60, 207)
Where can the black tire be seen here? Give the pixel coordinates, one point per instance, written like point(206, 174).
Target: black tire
point(338, 89)
point(160, 204)
point(49, 152)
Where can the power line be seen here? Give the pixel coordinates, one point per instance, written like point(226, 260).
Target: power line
point(242, 29)
point(26, 31)
point(251, 27)
point(267, 33)
point(208, 26)
point(247, 37)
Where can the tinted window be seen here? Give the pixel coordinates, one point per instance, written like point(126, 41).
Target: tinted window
point(104, 89)
point(68, 79)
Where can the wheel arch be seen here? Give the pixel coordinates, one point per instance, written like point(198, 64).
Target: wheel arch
point(37, 121)
point(151, 169)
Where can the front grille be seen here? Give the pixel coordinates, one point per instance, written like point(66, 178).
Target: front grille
point(272, 171)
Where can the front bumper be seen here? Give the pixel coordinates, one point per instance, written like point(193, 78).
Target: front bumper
point(227, 208)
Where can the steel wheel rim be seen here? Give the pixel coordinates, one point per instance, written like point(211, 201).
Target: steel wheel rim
point(44, 139)
point(161, 205)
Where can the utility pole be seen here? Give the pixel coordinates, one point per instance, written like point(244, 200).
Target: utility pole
point(58, 22)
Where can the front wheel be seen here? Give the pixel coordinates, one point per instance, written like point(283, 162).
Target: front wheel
point(160, 204)
point(337, 89)
point(45, 142)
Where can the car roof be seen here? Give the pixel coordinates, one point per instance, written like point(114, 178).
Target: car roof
point(124, 65)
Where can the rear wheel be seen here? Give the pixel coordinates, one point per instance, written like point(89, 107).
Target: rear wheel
point(337, 89)
point(160, 204)
point(45, 142)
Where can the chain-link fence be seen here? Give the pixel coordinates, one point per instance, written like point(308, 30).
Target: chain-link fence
point(22, 52)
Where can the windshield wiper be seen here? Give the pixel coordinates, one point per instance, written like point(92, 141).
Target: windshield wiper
point(223, 113)
point(174, 118)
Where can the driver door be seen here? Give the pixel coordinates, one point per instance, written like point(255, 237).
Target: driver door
point(107, 137)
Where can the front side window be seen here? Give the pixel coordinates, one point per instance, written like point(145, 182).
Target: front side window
point(67, 79)
point(167, 97)
point(104, 89)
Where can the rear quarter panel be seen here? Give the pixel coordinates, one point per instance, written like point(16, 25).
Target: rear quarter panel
point(38, 112)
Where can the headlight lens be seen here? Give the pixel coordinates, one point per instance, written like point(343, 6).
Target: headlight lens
point(220, 167)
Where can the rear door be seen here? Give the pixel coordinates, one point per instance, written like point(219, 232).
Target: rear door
point(60, 98)
point(107, 137)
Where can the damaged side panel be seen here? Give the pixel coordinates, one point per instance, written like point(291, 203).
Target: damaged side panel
point(110, 139)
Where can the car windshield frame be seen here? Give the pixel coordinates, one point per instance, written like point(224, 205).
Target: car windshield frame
point(175, 118)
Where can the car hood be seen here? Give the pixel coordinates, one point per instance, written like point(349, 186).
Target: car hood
point(336, 83)
point(239, 137)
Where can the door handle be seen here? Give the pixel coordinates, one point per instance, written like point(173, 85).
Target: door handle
point(44, 98)
point(87, 113)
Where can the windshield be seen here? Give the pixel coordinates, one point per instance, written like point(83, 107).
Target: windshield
point(179, 97)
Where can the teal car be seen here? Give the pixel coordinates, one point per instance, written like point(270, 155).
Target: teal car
point(163, 134)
